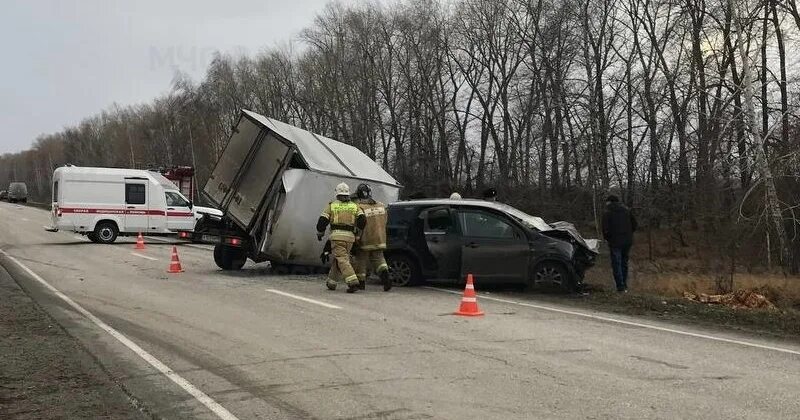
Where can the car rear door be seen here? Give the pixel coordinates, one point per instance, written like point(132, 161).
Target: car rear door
point(136, 206)
point(179, 212)
point(493, 249)
point(443, 241)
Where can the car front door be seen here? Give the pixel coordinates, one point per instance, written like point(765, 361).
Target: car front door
point(443, 241)
point(136, 207)
point(179, 212)
point(493, 248)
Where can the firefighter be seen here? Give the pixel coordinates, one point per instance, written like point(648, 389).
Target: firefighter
point(368, 250)
point(345, 219)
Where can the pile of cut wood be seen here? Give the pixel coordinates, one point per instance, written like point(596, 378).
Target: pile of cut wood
point(740, 299)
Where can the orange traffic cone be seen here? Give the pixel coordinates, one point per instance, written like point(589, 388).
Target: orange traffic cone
point(140, 241)
point(469, 302)
point(175, 264)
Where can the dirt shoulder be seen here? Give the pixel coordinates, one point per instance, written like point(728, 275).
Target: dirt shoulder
point(781, 323)
point(44, 372)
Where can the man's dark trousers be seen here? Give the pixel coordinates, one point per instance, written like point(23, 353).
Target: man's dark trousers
point(619, 264)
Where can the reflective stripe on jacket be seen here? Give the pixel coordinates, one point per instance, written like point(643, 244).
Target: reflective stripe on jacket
point(342, 216)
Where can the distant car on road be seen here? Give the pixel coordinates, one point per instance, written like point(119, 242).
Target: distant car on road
point(17, 192)
point(3, 195)
point(447, 239)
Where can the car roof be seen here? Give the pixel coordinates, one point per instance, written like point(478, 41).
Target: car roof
point(472, 202)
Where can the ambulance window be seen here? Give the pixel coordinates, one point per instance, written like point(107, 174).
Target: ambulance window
point(55, 191)
point(176, 200)
point(134, 194)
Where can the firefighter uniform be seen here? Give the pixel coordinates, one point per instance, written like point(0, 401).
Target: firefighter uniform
point(343, 218)
point(368, 250)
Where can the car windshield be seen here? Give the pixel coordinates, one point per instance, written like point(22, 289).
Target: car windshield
point(532, 222)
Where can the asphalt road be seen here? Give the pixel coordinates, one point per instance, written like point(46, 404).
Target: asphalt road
point(282, 347)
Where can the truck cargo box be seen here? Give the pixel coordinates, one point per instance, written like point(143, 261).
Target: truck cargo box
point(272, 181)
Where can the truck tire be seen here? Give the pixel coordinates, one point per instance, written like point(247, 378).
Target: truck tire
point(106, 232)
point(229, 258)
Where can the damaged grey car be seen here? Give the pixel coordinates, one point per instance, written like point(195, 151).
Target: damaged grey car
point(496, 243)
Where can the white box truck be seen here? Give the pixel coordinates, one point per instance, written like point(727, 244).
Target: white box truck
point(103, 203)
point(271, 183)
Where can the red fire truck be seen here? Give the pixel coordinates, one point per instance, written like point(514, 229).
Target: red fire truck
point(183, 177)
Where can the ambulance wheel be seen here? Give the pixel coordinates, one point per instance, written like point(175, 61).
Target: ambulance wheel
point(229, 258)
point(92, 237)
point(106, 232)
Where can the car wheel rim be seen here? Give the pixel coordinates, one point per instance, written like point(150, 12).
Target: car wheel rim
point(400, 273)
point(548, 275)
point(106, 234)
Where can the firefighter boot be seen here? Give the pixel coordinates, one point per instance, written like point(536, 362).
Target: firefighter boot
point(386, 280)
point(352, 288)
point(331, 284)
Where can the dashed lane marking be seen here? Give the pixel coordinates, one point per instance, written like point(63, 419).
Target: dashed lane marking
point(143, 256)
point(630, 323)
point(204, 248)
point(199, 395)
point(304, 299)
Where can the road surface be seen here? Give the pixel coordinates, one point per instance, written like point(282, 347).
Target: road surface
point(210, 344)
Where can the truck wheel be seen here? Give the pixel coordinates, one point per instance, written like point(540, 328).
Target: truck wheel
point(403, 270)
point(229, 258)
point(106, 232)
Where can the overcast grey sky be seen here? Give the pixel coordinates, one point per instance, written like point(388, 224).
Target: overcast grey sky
point(64, 60)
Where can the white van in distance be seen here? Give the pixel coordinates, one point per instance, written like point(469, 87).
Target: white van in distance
point(103, 203)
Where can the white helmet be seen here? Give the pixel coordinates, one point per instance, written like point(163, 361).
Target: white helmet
point(455, 196)
point(342, 189)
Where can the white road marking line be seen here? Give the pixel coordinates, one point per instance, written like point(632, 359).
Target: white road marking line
point(25, 219)
point(630, 323)
point(81, 238)
point(144, 256)
point(304, 299)
point(199, 395)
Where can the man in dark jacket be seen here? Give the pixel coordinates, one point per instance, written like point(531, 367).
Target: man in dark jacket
point(618, 227)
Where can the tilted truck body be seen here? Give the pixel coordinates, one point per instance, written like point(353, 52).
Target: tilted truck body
point(271, 183)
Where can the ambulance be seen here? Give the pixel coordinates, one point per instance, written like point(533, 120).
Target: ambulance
point(104, 203)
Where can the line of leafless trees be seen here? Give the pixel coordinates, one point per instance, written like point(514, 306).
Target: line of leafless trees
point(687, 108)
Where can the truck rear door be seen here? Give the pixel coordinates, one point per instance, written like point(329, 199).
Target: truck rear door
point(248, 167)
point(233, 159)
point(257, 179)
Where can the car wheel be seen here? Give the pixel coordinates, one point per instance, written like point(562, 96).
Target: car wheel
point(92, 237)
point(403, 270)
point(553, 274)
point(229, 258)
point(106, 232)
